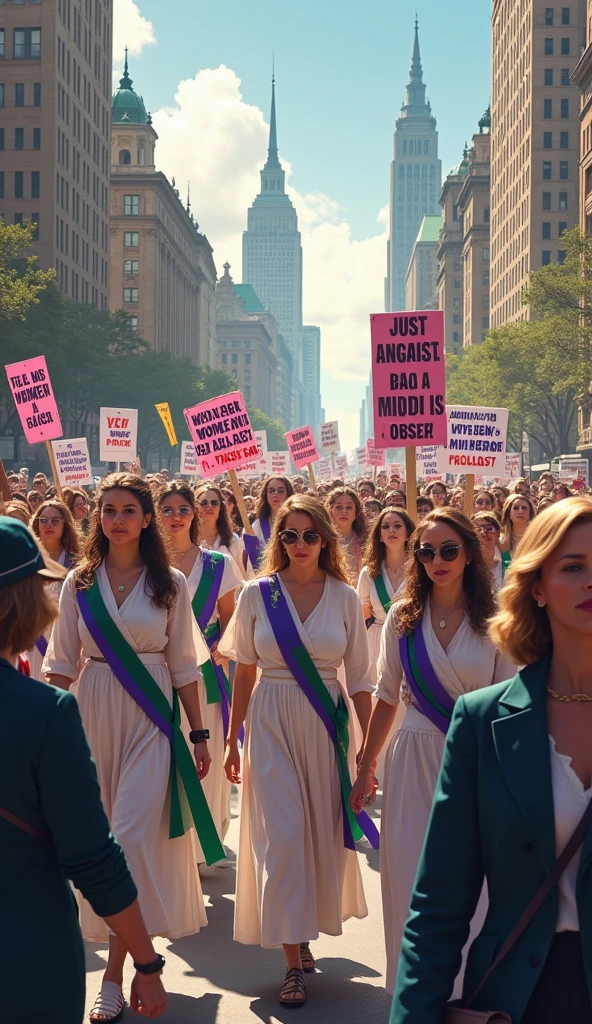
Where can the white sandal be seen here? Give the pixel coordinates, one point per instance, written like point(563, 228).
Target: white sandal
point(109, 1004)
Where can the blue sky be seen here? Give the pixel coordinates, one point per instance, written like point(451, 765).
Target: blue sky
point(341, 71)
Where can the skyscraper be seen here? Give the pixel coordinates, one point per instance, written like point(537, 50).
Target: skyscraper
point(416, 180)
point(311, 376)
point(272, 261)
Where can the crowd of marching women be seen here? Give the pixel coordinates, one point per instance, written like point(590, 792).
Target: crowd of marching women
point(309, 648)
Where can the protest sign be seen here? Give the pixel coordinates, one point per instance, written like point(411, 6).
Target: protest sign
point(189, 463)
point(164, 412)
point(408, 378)
point(574, 473)
point(278, 463)
point(513, 465)
point(324, 467)
point(330, 437)
point(253, 470)
point(33, 396)
point(476, 441)
point(427, 461)
point(374, 456)
point(222, 434)
point(72, 462)
point(302, 447)
point(360, 460)
point(341, 465)
point(118, 434)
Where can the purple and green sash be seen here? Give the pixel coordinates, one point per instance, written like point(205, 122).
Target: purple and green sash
point(136, 680)
point(334, 718)
point(383, 594)
point(253, 546)
point(204, 604)
point(430, 696)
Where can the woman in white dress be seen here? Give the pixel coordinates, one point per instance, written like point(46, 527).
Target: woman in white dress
point(517, 513)
point(214, 530)
point(347, 517)
point(177, 510)
point(296, 877)
point(275, 490)
point(488, 531)
point(137, 603)
point(439, 627)
point(54, 526)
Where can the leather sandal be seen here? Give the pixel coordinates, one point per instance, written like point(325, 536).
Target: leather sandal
point(308, 960)
point(109, 1004)
point(295, 986)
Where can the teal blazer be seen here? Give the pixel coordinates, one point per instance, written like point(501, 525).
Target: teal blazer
point(47, 777)
point(492, 819)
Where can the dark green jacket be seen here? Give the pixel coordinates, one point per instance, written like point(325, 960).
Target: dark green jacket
point(492, 818)
point(47, 777)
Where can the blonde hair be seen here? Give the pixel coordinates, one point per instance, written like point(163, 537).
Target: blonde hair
point(520, 627)
point(26, 610)
point(331, 560)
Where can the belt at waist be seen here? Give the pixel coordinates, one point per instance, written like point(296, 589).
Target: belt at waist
point(279, 675)
point(147, 659)
point(415, 721)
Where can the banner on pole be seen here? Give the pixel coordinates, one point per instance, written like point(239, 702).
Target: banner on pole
point(253, 470)
point(189, 463)
point(427, 462)
point(476, 441)
point(513, 465)
point(330, 437)
point(341, 465)
point(222, 434)
point(73, 462)
point(324, 466)
point(278, 463)
point(408, 378)
point(34, 399)
point(164, 412)
point(118, 434)
point(302, 447)
point(374, 456)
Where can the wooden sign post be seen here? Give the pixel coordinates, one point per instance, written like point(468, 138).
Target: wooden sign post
point(54, 470)
point(311, 477)
point(469, 494)
point(240, 501)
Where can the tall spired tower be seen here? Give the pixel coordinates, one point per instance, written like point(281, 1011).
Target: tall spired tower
point(272, 262)
point(416, 180)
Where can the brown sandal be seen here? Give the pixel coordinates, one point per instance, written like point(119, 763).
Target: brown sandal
point(294, 985)
point(308, 960)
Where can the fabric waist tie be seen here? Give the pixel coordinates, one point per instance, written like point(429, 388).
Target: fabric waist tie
point(147, 659)
point(328, 676)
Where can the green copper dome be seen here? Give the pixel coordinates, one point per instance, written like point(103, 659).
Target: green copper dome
point(464, 167)
point(127, 106)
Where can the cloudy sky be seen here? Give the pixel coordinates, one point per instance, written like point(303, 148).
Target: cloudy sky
point(341, 70)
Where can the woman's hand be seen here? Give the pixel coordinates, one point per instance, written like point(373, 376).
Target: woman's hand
point(148, 996)
point(360, 787)
point(232, 764)
point(202, 759)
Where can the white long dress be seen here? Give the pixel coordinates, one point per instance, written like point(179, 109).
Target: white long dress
point(216, 786)
point(131, 754)
point(295, 877)
point(34, 655)
point(413, 764)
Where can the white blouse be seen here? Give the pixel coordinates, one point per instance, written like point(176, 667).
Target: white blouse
point(236, 550)
point(570, 801)
point(147, 629)
point(333, 633)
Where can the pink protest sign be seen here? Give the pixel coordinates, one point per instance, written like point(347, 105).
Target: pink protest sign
point(374, 456)
point(34, 399)
point(302, 447)
point(408, 379)
point(221, 432)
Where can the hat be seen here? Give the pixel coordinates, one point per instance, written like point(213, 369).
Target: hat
point(20, 555)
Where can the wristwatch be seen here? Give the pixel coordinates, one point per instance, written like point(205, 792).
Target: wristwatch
point(199, 735)
point(152, 968)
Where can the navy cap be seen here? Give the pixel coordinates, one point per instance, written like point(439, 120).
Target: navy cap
point(21, 556)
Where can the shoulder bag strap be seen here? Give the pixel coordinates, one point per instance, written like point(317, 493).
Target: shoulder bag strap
point(540, 895)
point(38, 833)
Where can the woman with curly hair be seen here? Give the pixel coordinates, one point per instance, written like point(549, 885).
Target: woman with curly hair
point(347, 517)
point(124, 599)
point(53, 525)
point(434, 648)
point(298, 873)
point(214, 527)
point(517, 513)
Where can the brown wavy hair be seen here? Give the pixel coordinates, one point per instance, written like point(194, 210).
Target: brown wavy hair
point(520, 627)
point(359, 523)
point(331, 560)
point(263, 509)
point(182, 491)
point(477, 582)
point(159, 576)
point(70, 535)
point(223, 523)
point(26, 610)
point(375, 550)
point(505, 520)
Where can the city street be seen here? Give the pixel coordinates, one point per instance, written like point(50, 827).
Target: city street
point(213, 980)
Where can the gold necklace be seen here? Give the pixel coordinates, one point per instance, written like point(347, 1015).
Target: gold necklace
point(567, 700)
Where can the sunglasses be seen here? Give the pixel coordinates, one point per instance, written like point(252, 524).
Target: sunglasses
point(209, 502)
point(486, 529)
point(276, 490)
point(45, 521)
point(290, 537)
point(183, 511)
point(448, 553)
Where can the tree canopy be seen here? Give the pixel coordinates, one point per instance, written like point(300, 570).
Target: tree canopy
point(21, 282)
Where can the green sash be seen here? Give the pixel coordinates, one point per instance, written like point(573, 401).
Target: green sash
point(203, 604)
point(183, 775)
point(506, 562)
point(382, 592)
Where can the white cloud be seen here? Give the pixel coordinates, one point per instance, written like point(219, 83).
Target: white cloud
point(131, 29)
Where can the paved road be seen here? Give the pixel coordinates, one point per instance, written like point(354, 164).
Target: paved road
point(213, 980)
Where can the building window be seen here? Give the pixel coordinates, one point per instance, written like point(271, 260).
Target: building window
point(564, 140)
point(546, 200)
point(247, 394)
point(18, 184)
point(224, 359)
point(547, 109)
point(2, 43)
point(234, 360)
point(130, 266)
point(548, 47)
point(546, 257)
point(565, 47)
point(455, 212)
point(36, 94)
point(247, 358)
point(548, 76)
point(1, 95)
point(134, 323)
point(547, 170)
point(455, 336)
point(485, 322)
point(565, 15)
point(130, 294)
point(486, 254)
point(247, 344)
point(19, 94)
point(36, 138)
point(565, 76)
point(561, 256)
point(19, 138)
point(131, 239)
point(224, 344)
point(547, 140)
point(565, 108)
point(27, 43)
point(563, 200)
point(563, 170)
point(485, 302)
point(486, 215)
point(548, 15)
point(19, 218)
point(125, 157)
point(1, 184)
point(35, 184)
point(131, 206)
point(456, 319)
point(546, 226)
point(35, 219)
point(141, 157)
point(486, 277)
point(562, 227)
point(1, 138)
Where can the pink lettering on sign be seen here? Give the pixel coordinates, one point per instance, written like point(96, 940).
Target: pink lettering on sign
point(408, 379)
point(302, 446)
point(33, 396)
point(221, 432)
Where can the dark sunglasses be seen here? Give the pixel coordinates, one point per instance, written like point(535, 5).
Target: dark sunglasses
point(212, 502)
point(448, 553)
point(290, 537)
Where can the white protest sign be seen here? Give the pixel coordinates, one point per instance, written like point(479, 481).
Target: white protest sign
point(341, 465)
point(189, 463)
point(360, 457)
point(374, 456)
point(330, 437)
point(513, 465)
point(476, 441)
point(427, 461)
point(324, 466)
point(278, 463)
point(259, 466)
point(73, 462)
point(118, 435)
point(574, 472)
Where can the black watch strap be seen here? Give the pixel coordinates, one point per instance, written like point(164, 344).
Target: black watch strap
point(152, 968)
point(199, 735)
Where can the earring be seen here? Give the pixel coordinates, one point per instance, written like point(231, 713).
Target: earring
point(541, 604)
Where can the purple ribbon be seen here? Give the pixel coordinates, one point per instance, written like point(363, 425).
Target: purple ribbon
point(265, 528)
point(428, 672)
point(253, 549)
point(41, 645)
point(440, 721)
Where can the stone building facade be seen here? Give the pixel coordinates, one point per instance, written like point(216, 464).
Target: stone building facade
point(450, 268)
point(474, 203)
point(422, 274)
